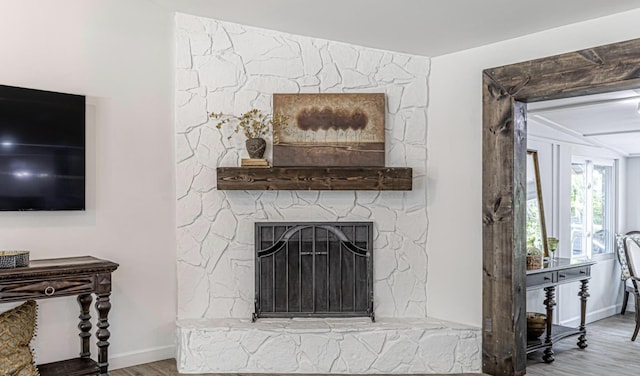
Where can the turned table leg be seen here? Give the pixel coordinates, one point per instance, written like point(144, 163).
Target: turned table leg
point(549, 302)
point(583, 294)
point(85, 324)
point(103, 305)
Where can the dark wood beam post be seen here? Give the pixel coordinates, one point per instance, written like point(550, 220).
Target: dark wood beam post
point(505, 90)
point(503, 196)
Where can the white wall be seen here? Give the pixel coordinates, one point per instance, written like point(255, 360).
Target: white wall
point(627, 195)
point(230, 68)
point(632, 204)
point(118, 53)
point(633, 195)
point(454, 167)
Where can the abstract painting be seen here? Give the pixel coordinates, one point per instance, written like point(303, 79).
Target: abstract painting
point(330, 130)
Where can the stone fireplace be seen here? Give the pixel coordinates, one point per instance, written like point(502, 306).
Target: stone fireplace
point(230, 68)
point(314, 314)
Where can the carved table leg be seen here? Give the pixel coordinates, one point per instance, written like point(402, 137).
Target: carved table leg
point(549, 302)
point(85, 324)
point(103, 305)
point(583, 294)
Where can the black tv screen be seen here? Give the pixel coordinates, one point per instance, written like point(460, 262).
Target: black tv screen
point(42, 150)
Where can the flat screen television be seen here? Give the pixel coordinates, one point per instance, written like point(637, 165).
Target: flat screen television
point(42, 150)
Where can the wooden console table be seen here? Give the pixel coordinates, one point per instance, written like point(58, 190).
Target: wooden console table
point(81, 276)
point(554, 273)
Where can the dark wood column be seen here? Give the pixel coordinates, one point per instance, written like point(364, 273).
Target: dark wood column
point(504, 174)
point(505, 90)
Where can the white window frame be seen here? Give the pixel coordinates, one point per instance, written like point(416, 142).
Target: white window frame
point(612, 203)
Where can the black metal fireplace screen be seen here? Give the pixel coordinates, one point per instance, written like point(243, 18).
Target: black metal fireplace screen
point(314, 269)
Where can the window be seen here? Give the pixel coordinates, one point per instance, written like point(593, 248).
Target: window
point(592, 207)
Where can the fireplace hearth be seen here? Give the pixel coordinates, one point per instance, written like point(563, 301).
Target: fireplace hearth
point(320, 269)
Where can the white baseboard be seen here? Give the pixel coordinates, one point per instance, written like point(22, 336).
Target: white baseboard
point(135, 358)
point(595, 315)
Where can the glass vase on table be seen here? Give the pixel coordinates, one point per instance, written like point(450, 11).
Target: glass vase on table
point(552, 245)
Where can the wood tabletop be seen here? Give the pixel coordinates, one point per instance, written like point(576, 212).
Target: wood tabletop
point(57, 266)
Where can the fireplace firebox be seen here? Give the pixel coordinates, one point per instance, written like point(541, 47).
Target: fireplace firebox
point(318, 269)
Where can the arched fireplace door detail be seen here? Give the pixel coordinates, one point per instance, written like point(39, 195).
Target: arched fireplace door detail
point(314, 269)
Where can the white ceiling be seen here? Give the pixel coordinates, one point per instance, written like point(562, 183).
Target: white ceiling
point(608, 120)
point(421, 27)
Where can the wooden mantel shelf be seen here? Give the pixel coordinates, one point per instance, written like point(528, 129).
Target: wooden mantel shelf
point(316, 178)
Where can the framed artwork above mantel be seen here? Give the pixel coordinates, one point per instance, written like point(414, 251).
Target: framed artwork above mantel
point(330, 130)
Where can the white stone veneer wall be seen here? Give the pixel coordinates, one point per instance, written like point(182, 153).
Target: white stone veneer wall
point(231, 68)
point(327, 346)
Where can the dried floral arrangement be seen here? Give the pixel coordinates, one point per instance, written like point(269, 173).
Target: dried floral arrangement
point(253, 123)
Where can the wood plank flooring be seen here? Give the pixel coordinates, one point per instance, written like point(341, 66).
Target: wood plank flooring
point(168, 368)
point(162, 368)
point(610, 352)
